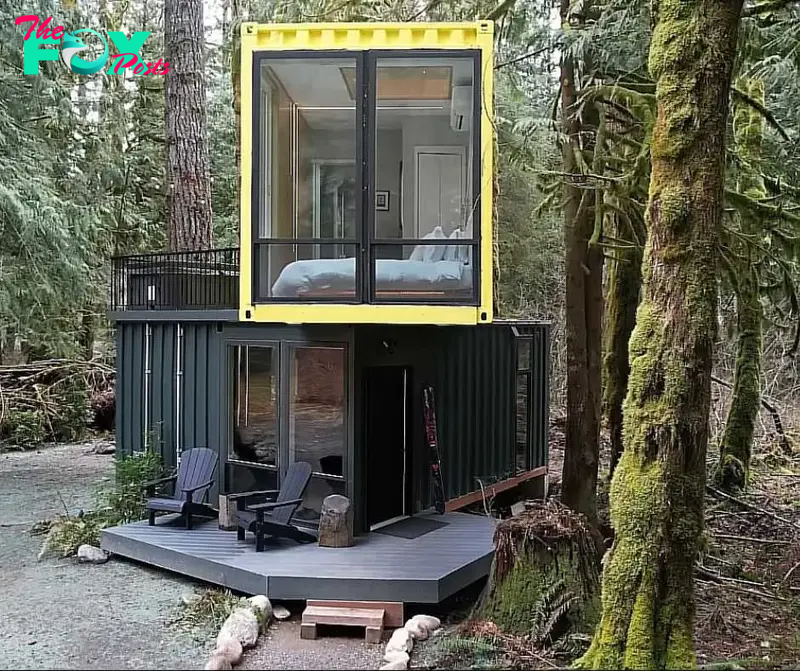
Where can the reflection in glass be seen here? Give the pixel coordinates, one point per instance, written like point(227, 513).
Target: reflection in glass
point(307, 162)
point(255, 426)
point(521, 452)
point(317, 432)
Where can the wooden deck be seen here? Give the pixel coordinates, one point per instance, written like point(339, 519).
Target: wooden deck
point(380, 567)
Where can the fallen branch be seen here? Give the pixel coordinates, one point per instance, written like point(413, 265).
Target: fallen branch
point(770, 407)
point(750, 506)
point(749, 539)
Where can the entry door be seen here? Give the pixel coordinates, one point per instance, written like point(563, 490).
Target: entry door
point(386, 391)
point(440, 189)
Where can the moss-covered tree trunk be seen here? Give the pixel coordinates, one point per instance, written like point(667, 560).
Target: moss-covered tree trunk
point(544, 580)
point(657, 491)
point(737, 441)
point(622, 299)
point(583, 295)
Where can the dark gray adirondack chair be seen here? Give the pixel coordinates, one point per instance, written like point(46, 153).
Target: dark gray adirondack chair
point(274, 518)
point(190, 493)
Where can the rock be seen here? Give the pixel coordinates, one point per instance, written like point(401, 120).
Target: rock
point(190, 598)
point(400, 641)
point(241, 625)
point(281, 613)
point(104, 448)
point(230, 649)
point(396, 656)
point(397, 665)
point(217, 662)
point(416, 629)
point(429, 622)
point(91, 554)
point(262, 608)
point(518, 507)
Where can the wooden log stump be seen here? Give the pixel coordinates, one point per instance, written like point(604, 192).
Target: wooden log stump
point(226, 510)
point(336, 522)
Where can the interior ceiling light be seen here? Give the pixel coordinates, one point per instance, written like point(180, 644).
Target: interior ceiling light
point(406, 82)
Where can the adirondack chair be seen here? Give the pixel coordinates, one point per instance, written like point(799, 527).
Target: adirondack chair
point(191, 485)
point(274, 518)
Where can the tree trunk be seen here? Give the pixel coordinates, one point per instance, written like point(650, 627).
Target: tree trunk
point(622, 299)
point(584, 301)
point(658, 489)
point(737, 441)
point(188, 177)
point(236, 83)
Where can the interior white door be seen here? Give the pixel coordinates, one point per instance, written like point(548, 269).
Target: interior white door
point(451, 191)
point(440, 189)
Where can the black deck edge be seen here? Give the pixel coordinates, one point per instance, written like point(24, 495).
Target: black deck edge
point(229, 315)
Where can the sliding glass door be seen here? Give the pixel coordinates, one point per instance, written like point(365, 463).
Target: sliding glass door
point(289, 403)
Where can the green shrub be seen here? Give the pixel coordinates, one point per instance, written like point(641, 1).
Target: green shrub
point(23, 428)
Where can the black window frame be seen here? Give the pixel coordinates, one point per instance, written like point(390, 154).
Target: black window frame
point(259, 58)
point(366, 243)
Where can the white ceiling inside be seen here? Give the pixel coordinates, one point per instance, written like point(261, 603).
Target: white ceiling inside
point(320, 84)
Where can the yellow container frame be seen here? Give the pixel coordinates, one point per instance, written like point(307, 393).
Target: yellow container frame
point(256, 37)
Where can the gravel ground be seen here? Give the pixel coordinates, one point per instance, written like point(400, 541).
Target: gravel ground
point(58, 614)
point(336, 648)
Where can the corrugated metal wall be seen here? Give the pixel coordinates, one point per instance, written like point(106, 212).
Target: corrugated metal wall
point(175, 354)
point(473, 370)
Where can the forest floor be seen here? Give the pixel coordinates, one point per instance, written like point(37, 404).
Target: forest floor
point(747, 584)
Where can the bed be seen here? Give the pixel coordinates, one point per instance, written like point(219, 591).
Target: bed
point(430, 271)
point(336, 277)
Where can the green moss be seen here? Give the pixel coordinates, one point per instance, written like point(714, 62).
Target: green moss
point(737, 440)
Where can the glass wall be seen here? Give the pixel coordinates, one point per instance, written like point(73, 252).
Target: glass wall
point(255, 406)
point(309, 424)
point(367, 186)
point(307, 179)
point(317, 428)
point(422, 175)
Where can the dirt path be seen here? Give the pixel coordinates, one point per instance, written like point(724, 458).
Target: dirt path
point(58, 614)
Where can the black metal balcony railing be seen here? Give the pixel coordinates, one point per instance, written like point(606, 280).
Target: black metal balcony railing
point(197, 280)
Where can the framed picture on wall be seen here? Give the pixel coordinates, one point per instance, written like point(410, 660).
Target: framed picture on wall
point(382, 201)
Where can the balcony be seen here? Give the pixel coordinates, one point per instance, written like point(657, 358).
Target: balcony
point(196, 280)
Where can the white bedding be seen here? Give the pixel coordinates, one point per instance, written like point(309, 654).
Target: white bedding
point(338, 275)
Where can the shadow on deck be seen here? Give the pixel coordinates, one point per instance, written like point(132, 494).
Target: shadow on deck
point(379, 567)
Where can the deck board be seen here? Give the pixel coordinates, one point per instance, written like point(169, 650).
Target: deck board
point(427, 569)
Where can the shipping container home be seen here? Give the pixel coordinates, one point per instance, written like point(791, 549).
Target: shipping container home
point(364, 273)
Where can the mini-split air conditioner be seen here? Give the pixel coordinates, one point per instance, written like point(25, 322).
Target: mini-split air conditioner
point(461, 108)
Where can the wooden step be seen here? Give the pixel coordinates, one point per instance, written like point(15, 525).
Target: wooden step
point(369, 618)
point(393, 610)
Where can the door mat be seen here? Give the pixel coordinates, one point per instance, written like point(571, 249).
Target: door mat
point(412, 527)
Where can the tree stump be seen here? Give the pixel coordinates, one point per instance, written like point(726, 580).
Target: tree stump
point(336, 522)
point(544, 581)
point(226, 510)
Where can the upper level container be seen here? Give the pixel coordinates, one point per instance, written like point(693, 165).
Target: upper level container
point(366, 193)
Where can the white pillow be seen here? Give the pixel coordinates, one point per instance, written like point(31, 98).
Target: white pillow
point(453, 252)
point(429, 253)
